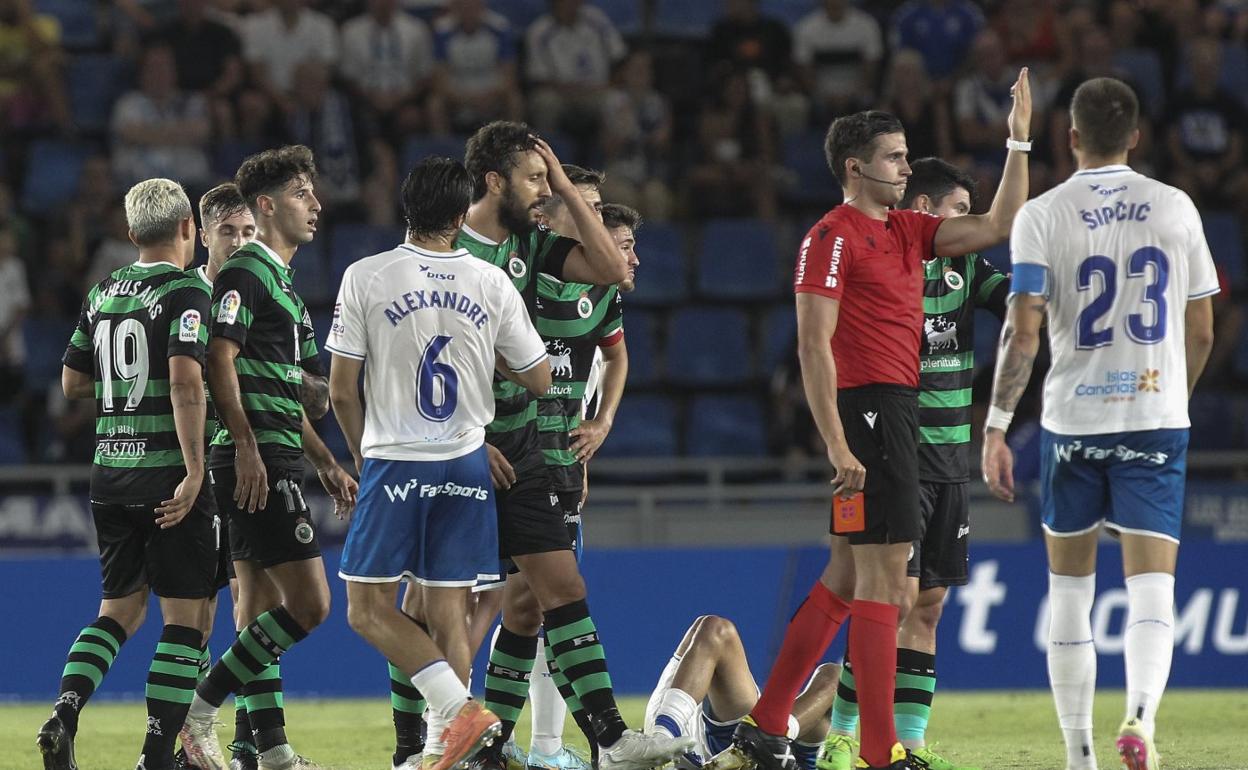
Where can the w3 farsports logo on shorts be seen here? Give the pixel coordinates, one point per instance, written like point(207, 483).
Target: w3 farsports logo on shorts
point(397, 492)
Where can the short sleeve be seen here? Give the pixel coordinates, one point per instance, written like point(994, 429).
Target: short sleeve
point(309, 353)
point(823, 261)
point(188, 323)
point(1028, 254)
point(348, 336)
point(612, 329)
point(80, 352)
point(918, 230)
point(518, 341)
point(1202, 273)
point(991, 287)
point(550, 252)
point(235, 294)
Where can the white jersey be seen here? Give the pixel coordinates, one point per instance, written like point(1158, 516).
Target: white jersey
point(429, 326)
point(1119, 256)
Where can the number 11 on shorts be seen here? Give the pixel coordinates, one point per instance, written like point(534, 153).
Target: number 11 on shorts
point(849, 514)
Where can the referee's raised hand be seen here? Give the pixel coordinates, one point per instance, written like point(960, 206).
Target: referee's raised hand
point(1020, 113)
point(850, 476)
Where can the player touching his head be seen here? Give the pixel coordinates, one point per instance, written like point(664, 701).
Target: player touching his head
point(1119, 264)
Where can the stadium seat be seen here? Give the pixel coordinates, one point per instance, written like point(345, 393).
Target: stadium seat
point(418, 148)
point(708, 347)
point(726, 425)
point(1143, 66)
point(624, 14)
point(1226, 240)
point(350, 241)
point(12, 448)
point(79, 25)
point(779, 338)
point(640, 334)
point(662, 278)
point(228, 155)
point(52, 173)
point(312, 276)
point(788, 11)
point(814, 183)
point(1217, 421)
point(686, 18)
point(645, 426)
point(520, 13)
point(94, 82)
point(45, 340)
point(738, 260)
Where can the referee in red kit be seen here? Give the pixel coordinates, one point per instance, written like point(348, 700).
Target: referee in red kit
point(859, 285)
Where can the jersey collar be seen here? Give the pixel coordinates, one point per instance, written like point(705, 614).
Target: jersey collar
point(271, 254)
point(476, 236)
point(150, 265)
point(426, 254)
point(1117, 168)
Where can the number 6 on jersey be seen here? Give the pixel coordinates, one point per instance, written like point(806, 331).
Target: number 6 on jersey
point(436, 383)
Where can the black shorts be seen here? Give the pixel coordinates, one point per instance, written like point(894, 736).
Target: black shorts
point(530, 517)
point(570, 504)
point(225, 564)
point(940, 556)
point(175, 563)
point(881, 424)
point(280, 532)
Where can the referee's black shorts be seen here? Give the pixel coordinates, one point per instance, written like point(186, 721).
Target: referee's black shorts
point(881, 424)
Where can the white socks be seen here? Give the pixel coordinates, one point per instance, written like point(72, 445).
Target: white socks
point(677, 709)
point(1149, 643)
point(549, 710)
point(436, 725)
point(1072, 664)
point(442, 689)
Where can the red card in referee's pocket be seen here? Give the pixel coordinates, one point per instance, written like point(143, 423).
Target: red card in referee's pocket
point(848, 514)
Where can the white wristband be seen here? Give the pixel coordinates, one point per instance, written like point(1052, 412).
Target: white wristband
point(998, 419)
point(1014, 144)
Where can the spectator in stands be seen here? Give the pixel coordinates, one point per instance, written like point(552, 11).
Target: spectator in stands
point(569, 53)
point(909, 95)
point(1028, 30)
point(940, 30)
point(87, 215)
point(1206, 133)
point(159, 131)
point(637, 139)
point(355, 174)
point(114, 250)
point(982, 100)
point(745, 38)
point(32, 89)
point(208, 56)
point(14, 304)
point(733, 174)
point(387, 62)
point(839, 48)
point(304, 34)
point(475, 77)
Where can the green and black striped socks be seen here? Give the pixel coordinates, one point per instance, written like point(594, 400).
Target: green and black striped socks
point(574, 641)
point(265, 709)
point(90, 657)
point(408, 707)
point(912, 698)
point(507, 678)
point(170, 687)
point(266, 639)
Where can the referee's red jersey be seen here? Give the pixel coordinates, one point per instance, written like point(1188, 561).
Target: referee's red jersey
point(875, 269)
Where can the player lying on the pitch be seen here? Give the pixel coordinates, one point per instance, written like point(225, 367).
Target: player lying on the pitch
point(706, 687)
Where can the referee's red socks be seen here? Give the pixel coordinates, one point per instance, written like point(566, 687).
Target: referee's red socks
point(873, 638)
point(811, 630)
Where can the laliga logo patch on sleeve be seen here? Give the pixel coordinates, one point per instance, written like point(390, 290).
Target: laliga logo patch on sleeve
point(188, 327)
point(227, 313)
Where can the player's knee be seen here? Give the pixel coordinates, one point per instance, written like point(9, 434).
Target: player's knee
point(310, 611)
point(716, 632)
point(362, 616)
point(927, 613)
point(826, 678)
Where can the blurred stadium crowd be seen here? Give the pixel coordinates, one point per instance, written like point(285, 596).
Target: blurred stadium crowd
point(707, 115)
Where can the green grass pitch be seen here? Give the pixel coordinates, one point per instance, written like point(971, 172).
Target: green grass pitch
point(1201, 730)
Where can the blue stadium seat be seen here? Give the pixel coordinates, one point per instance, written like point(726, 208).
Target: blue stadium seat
point(521, 13)
point(640, 334)
point(52, 173)
point(312, 277)
point(1217, 421)
point(726, 425)
point(686, 18)
point(779, 338)
point(738, 260)
point(788, 11)
point(815, 184)
point(1144, 68)
point(45, 340)
point(624, 14)
point(663, 277)
point(94, 82)
point(228, 155)
point(645, 426)
point(418, 148)
point(708, 347)
point(12, 448)
point(79, 25)
point(1226, 240)
point(349, 242)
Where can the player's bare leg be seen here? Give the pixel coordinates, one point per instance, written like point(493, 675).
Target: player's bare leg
point(811, 712)
point(485, 611)
point(1071, 654)
point(1148, 565)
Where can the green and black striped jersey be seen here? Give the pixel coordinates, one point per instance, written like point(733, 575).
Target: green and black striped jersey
point(573, 319)
point(514, 429)
point(254, 304)
point(953, 288)
point(131, 324)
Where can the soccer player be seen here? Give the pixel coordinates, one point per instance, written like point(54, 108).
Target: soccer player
point(953, 288)
point(138, 350)
point(513, 174)
point(623, 223)
point(1119, 264)
point(262, 338)
point(859, 283)
point(706, 688)
point(430, 320)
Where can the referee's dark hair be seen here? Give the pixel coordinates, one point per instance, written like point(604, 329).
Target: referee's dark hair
point(1106, 113)
point(436, 195)
point(271, 170)
point(935, 178)
point(618, 215)
point(578, 176)
point(494, 148)
point(853, 136)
